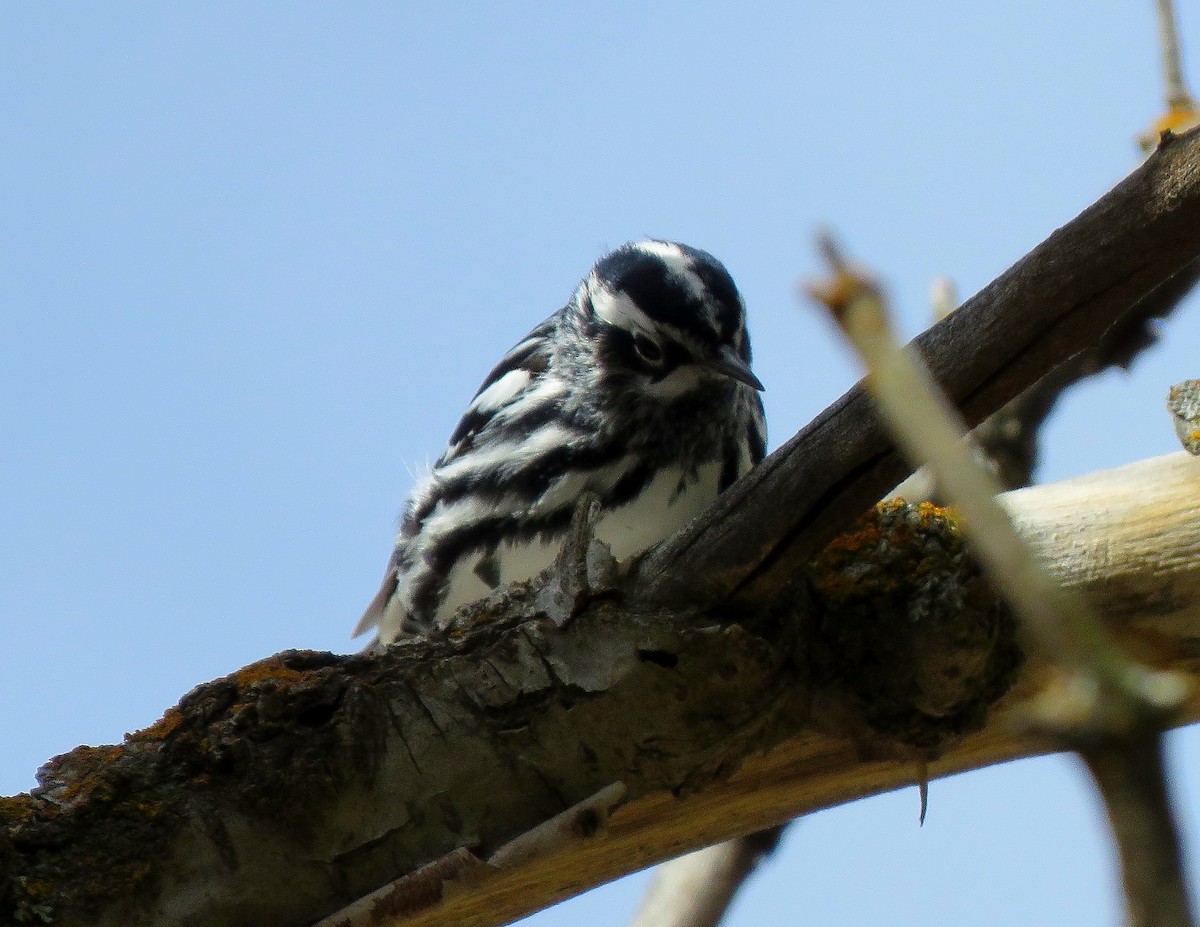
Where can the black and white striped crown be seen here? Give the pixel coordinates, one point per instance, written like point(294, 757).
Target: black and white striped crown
point(650, 284)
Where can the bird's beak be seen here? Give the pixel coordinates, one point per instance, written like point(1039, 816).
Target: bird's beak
point(730, 365)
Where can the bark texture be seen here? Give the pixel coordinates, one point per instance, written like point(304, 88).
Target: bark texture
point(1060, 300)
point(289, 789)
point(701, 683)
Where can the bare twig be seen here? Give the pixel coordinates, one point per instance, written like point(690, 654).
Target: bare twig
point(1060, 300)
point(332, 775)
point(1181, 112)
point(1109, 709)
point(696, 890)
point(411, 894)
point(1130, 775)
point(1176, 95)
point(943, 297)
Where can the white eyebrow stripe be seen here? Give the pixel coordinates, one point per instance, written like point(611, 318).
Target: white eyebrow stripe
point(617, 308)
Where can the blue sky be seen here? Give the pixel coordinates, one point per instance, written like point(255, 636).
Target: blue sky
point(256, 257)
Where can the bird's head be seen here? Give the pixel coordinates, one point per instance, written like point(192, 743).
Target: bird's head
point(666, 317)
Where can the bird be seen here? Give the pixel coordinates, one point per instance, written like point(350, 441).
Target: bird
point(639, 391)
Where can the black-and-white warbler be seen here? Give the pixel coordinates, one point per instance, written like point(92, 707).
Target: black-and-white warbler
point(639, 390)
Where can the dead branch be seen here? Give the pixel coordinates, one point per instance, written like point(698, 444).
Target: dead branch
point(327, 776)
point(1109, 709)
point(302, 783)
point(682, 894)
point(1057, 301)
point(695, 890)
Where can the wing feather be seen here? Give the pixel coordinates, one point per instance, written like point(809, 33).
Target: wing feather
point(518, 372)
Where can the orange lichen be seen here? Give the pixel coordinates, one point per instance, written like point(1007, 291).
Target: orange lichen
point(16, 809)
point(160, 729)
point(83, 773)
point(269, 669)
point(865, 534)
point(850, 564)
point(1176, 119)
point(908, 627)
point(929, 510)
point(887, 522)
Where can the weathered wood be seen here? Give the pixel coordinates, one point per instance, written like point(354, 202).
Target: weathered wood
point(695, 890)
point(1128, 538)
point(1060, 299)
point(298, 784)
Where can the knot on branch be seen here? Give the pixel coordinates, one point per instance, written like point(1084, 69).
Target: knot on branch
point(909, 627)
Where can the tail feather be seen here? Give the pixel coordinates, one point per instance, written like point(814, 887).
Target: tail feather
point(374, 612)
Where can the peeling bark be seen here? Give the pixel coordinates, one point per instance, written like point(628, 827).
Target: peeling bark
point(332, 774)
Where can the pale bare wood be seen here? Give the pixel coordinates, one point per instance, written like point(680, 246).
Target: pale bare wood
point(696, 889)
point(332, 775)
point(1127, 538)
point(1061, 299)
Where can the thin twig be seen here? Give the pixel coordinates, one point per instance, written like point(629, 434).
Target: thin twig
point(1109, 709)
point(1130, 776)
point(1177, 95)
point(1181, 110)
point(696, 890)
point(928, 430)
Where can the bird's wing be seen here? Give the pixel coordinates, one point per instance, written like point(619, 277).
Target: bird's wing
point(515, 377)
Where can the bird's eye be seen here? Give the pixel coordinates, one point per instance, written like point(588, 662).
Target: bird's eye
point(650, 352)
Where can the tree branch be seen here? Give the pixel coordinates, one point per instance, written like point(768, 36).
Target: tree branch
point(1057, 301)
point(683, 893)
point(696, 890)
point(1109, 709)
point(329, 776)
